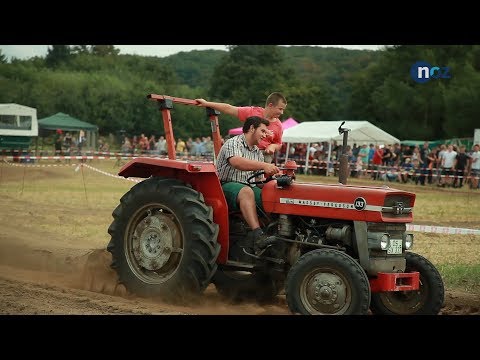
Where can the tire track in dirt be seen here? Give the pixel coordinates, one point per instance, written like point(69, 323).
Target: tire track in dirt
point(44, 282)
point(19, 297)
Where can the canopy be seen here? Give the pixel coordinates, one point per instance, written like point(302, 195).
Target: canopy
point(65, 122)
point(419, 143)
point(318, 131)
point(290, 122)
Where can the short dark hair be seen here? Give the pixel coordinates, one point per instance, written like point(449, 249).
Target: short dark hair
point(256, 121)
point(275, 98)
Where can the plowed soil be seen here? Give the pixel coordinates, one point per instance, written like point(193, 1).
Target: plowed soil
point(81, 283)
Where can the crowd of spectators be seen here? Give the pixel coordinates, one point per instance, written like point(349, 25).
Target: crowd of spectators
point(198, 148)
point(66, 144)
point(444, 165)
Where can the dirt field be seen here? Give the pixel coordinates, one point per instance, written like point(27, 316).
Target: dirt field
point(44, 270)
point(42, 282)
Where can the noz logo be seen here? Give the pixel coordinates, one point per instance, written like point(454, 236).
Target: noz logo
point(360, 203)
point(421, 72)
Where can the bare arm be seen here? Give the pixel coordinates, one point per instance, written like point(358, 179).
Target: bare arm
point(243, 164)
point(270, 149)
point(222, 107)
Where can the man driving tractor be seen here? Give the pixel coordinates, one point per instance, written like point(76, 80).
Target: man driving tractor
point(238, 159)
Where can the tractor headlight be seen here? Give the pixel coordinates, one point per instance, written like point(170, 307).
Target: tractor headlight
point(378, 241)
point(408, 241)
point(384, 241)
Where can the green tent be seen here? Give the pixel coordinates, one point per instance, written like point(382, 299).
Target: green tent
point(65, 122)
point(468, 142)
point(419, 143)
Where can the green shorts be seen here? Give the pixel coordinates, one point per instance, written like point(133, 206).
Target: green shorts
point(231, 190)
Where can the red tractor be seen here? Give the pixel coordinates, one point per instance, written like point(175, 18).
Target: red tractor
point(333, 249)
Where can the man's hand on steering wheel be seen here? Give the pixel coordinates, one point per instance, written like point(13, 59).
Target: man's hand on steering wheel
point(269, 170)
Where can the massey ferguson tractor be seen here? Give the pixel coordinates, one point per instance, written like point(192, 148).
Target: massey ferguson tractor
point(333, 249)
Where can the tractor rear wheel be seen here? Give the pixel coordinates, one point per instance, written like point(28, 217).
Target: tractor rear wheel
point(327, 282)
point(427, 300)
point(163, 240)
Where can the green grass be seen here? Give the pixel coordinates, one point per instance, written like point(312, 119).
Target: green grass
point(459, 276)
point(78, 205)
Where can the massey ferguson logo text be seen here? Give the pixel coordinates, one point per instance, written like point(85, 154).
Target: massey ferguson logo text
point(319, 203)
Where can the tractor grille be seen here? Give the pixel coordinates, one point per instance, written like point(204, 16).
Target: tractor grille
point(391, 200)
point(396, 206)
point(396, 231)
point(386, 227)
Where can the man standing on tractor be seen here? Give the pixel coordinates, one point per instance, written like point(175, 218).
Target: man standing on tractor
point(238, 159)
point(274, 107)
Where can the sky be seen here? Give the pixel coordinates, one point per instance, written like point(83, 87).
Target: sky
point(28, 51)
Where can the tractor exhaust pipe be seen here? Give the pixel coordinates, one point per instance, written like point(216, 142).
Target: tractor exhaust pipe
point(343, 167)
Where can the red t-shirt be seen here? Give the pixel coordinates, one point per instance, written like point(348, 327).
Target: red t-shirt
point(377, 158)
point(275, 126)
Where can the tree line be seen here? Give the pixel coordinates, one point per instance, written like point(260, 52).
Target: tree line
point(98, 84)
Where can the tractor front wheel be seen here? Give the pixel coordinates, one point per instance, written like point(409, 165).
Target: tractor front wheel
point(427, 300)
point(327, 282)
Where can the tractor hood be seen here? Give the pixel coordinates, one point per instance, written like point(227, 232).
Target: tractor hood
point(338, 201)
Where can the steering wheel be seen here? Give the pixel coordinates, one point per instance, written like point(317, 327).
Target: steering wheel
point(258, 174)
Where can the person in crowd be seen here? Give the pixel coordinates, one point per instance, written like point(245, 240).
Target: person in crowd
point(475, 166)
point(363, 152)
point(398, 155)
point(81, 141)
point(425, 159)
point(68, 142)
point(406, 171)
point(126, 146)
point(387, 156)
point(377, 162)
point(415, 172)
point(198, 148)
point(143, 143)
point(393, 156)
point(371, 151)
point(407, 152)
point(151, 143)
point(188, 145)
point(448, 166)
point(274, 107)
point(180, 148)
point(460, 164)
point(359, 167)
point(355, 150)
point(440, 154)
point(58, 140)
point(238, 159)
point(209, 148)
point(161, 146)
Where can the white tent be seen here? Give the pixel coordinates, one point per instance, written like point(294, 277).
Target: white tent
point(317, 131)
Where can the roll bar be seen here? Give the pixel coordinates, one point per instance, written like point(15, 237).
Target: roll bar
point(165, 104)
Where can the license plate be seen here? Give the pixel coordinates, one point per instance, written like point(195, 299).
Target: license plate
point(395, 247)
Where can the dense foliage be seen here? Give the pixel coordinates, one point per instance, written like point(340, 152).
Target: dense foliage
point(100, 85)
